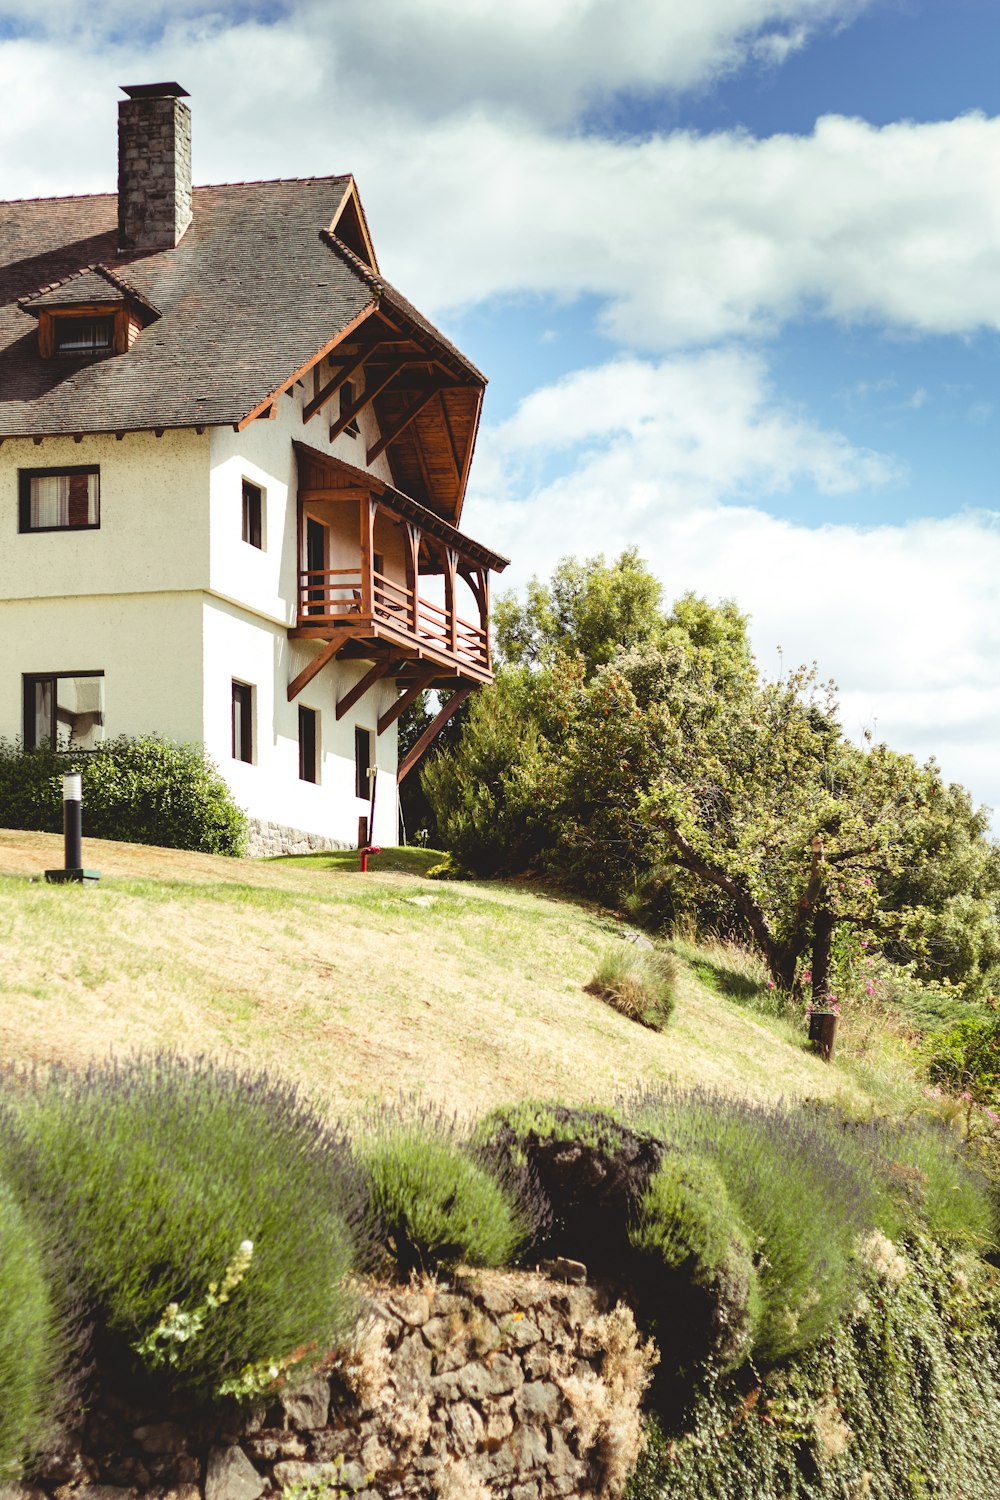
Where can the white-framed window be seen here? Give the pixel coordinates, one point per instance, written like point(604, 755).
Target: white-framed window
point(67, 499)
point(63, 710)
point(253, 514)
point(243, 735)
point(308, 744)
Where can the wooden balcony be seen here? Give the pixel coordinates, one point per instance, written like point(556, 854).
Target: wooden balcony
point(383, 579)
point(377, 609)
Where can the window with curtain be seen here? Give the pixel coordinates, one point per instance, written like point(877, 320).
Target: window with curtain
point(60, 499)
point(64, 710)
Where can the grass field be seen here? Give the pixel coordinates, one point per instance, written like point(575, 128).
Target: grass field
point(358, 984)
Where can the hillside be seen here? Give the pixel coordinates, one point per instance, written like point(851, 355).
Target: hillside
point(353, 984)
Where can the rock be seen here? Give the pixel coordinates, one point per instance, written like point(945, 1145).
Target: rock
point(467, 1428)
point(174, 1469)
point(411, 1365)
point(522, 1332)
point(230, 1476)
point(269, 1446)
point(294, 1471)
point(636, 938)
point(527, 1448)
point(538, 1401)
point(161, 1437)
point(183, 1492)
point(527, 1491)
point(353, 1477)
point(505, 1375)
point(21, 1492)
point(426, 901)
point(308, 1406)
point(96, 1492)
point(499, 1426)
point(412, 1307)
point(561, 1268)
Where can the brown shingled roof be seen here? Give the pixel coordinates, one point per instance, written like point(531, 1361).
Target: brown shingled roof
point(250, 296)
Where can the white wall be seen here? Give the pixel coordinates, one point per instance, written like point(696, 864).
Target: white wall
point(237, 645)
point(147, 645)
point(154, 518)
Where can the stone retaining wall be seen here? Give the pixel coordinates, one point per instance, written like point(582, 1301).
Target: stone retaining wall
point(264, 839)
point(505, 1386)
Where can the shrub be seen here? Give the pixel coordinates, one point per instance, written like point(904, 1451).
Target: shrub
point(589, 1168)
point(30, 1342)
point(966, 1057)
point(144, 790)
point(899, 1403)
point(798, 1186)
point(638, 982)
point(206, 1212)
point(432, 1203)
point(685, 1224)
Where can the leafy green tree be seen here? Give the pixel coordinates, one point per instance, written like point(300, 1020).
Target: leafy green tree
point(593, 609)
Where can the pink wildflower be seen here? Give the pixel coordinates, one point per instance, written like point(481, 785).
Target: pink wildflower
point(807, 976)
point(770, 984)
point(965, 1096)
point(991, 1116)
point(869, 989)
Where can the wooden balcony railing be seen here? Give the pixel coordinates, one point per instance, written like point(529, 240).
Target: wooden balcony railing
point(336, 596)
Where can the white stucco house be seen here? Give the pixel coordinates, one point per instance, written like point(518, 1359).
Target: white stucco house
point(232, 467)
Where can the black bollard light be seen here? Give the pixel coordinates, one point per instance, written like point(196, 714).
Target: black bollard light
point(72, 837)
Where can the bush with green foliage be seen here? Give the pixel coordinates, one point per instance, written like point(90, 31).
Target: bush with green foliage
point(800, 1187)
point(638, 982)
point(142, 790)
point(433, 1203)
point(206, 1212)
point(30, 1339)
point(685, 1224)
point(965, 1057)
point(899, 1402)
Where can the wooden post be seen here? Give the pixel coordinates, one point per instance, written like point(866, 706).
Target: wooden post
point(413, 574)
point(450, 566)
point(369, 506)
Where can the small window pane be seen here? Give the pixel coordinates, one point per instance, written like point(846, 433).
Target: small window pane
point(60, 501)
point(84, 335)
point(362, 762)
point(64, 711)
point(242, 721)
point(253, 509)
point(42, 714)
point(307, 744)
point(79, 712)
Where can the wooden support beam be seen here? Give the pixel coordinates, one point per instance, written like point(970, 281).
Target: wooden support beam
point(430, 733)
point(365, 399)
point(413, 575)
point(308, 673)
point(404, 700)
point(360, 688)
point(450, 568)
point(333, 385)
point(369, 509)
point(390, 437)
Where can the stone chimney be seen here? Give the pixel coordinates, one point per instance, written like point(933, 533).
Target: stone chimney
point(154, 166)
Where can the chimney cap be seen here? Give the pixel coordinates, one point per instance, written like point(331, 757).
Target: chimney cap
point(154, 91)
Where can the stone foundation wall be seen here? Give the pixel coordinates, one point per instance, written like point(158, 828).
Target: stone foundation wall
point(275, 838)
point(502, 1387)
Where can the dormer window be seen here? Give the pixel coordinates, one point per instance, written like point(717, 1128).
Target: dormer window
point(90, 315)
point(83, 337)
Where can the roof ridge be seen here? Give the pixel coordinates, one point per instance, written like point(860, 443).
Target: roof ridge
point(273, 181)
point(352, 259)
point(97, 268)
point(55, 198)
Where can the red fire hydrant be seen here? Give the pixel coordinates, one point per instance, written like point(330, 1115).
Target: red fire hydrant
point(364, 853)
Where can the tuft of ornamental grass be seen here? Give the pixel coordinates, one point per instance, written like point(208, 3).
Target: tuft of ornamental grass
point(931, 1185)
point(31, 1339)
point(434, 1201)
point(798, 1186)
point(686, 1223)
point(206, 1212)
point(640, 983)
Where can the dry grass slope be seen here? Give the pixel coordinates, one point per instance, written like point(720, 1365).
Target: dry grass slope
point(472, 995)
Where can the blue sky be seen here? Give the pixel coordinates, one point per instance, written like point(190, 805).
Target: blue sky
point(734, 270)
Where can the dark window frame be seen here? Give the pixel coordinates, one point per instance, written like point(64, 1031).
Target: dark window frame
point(253, 514)
point(308, 744)
point(242, 696)
point(24, 478)
point(29, 681)
point(362, 762)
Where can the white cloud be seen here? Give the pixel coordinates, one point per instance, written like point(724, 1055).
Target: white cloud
point(906, 618)
point(548, 59)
